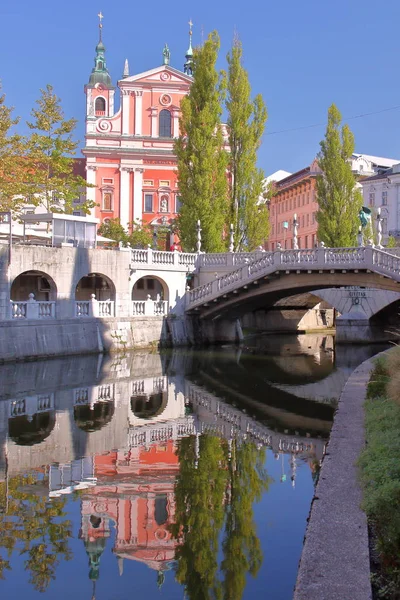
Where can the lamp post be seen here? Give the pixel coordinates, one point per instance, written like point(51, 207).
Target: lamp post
point(198, 243)
point(295, 226)
point(231, 239)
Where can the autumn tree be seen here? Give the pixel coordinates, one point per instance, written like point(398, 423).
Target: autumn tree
point(53, 183)
point(202, 159)
point(246, 122)
point(12, 165)
point(338, 197)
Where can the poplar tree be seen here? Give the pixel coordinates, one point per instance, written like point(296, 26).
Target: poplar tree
point(52, 181)
point(12, 164)
point(338, 198)
point(202, 160)
point(246, 122)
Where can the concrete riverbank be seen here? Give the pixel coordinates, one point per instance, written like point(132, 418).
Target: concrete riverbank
point(335, 562)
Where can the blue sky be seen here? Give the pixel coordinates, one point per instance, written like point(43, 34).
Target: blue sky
point(301, 56)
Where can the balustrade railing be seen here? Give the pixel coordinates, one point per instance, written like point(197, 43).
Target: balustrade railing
point(47, 310)
point(163, 258)
point(149, 308)
point(18, 310)
point(106, 308)
point(82, 308)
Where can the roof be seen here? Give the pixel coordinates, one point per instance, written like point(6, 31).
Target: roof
point(277, 176)
point(379, 161)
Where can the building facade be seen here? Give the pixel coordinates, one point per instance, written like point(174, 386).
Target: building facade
point(295, 194)
point(383, 191)
point(130, 152)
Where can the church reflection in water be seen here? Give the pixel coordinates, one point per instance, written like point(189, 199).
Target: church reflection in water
point(135, 437)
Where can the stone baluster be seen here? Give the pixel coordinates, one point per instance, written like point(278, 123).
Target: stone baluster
point(32, 308)
point(231, 238)
point(149, 255)
point(295, 226)
point(93, 307)
point(198, 244)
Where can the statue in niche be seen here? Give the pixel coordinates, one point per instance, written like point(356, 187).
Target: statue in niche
point(166, 55)
point(164, 204)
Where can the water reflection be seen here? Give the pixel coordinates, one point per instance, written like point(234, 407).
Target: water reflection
point(165, 456)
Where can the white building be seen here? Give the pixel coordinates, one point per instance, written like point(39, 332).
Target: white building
point(383, 190)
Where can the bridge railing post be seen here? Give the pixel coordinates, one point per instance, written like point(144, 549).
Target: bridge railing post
point(369, 256)
point(320, 255)
point(278, 257)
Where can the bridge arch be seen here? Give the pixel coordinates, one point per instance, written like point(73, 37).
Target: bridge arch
point(34, 282)
point(149, 406)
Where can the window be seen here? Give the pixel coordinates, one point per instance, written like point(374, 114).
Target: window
point(384, 198)
point(272, 229)
point(372, 198)
point(140, 284)
point(76, 213)
point(308, 220)
point(165, 124)
point(107, 200)
point(55, 198)
point(178, 204)
point(100, 106)
point(148, 183)
point(164, 183)
point(150, 284)
point(148, 203)
point(313, 217)
point(108, 180)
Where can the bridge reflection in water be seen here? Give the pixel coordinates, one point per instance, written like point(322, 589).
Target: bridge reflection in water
point(149, 440)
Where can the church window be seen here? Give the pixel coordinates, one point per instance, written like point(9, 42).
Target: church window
point(100, 106)
point(165, 124)
point(160, 509)
point(107, 200)
point(148, 203)
point(164, 183)
point(148, 183)
point(384, 198)
point(178, 204)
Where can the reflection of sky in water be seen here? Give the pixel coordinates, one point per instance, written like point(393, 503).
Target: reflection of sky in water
point(55, 412)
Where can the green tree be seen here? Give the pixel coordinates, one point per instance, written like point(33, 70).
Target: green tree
point(241, 546)
point(202, 160)
point(199, 495)
point(338, 197)
point(52, 181)
point(140, 236)
point(12, 164)
point(391, 242)
point(35, 526)
point(246, 123)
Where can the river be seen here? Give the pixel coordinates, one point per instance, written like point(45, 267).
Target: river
point(155, 475)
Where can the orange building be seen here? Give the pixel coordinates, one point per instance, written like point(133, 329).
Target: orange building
point(130, 152)
point(135, 494)
point(294, 195)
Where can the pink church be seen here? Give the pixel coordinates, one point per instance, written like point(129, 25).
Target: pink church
point(130, 153)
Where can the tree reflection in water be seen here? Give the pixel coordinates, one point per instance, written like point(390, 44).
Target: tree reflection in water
point(34, 526)
point(218, 480)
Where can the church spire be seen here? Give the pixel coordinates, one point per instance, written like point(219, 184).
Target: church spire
point(100, 73)
point(126, 69)
point(188, 66)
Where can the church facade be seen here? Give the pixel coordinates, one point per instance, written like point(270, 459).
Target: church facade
point(130, 152)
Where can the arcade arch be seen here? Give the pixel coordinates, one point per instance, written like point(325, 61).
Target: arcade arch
point(151, 286)
point(95, 283)
point(94, 417)
point(26, 430)
point(38, 283)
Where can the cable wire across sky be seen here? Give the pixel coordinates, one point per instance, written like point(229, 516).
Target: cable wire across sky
point(377, 112)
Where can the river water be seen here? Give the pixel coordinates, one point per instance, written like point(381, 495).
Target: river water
point(183, 474)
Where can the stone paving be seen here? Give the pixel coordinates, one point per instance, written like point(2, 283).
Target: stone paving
point(334, 563)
